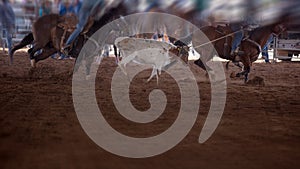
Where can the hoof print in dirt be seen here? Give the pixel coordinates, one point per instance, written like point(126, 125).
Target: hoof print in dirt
point(256, 81)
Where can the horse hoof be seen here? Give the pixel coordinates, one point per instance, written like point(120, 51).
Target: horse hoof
point(33, 63)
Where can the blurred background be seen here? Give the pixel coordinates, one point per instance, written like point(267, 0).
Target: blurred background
point(215, 11)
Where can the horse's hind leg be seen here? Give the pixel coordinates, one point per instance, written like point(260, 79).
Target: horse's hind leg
point(28, 39)
point(235, 63)
point(29, 50)
point(32, 54)
point(117, 55)
point(227, 65)
point(47, 52)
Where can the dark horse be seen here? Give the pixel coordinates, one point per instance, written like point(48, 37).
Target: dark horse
point(48, 38)
point(41, 35)
point(55, 34)
point(219, 38)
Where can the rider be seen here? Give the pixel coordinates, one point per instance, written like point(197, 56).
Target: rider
point(236, 27)
point(239, 28)
point(152, 4)
point(88, 8)
point(264, 52)
point(7, 19)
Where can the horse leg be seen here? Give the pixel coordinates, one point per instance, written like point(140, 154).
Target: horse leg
point(47, 52)
point(245, 73)
point(28, 39)
point(237, 64)
point(75, 67)
point(77, 63)
point(89, 62)
point(227, 65)
point(32, 55)
point(245, 59)
point(116, 54)
point(29, 50)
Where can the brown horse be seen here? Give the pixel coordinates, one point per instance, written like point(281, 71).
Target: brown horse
point(40, 36)
point(218, 42)
point(51, 43)
point(47, 35)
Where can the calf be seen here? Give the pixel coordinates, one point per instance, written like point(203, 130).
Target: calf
point(145, 52)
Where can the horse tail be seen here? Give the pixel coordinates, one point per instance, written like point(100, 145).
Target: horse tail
point(28, 39)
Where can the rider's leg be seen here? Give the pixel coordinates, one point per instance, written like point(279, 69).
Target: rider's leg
point(79, 28)
point(9, 34)
point(265, 54)
point(153, 4)
point(83, 19)
point(238, 37)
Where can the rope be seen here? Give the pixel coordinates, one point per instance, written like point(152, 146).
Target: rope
point(222, 37)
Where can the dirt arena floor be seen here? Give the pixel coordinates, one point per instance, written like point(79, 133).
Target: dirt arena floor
point(260, 128)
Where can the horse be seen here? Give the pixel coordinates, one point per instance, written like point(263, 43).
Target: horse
point(219, 38)
point(47, 35)
point(40, 35)
point(52, 43)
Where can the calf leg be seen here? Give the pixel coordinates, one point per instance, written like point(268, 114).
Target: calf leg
point(154, 72)
point(202, 65)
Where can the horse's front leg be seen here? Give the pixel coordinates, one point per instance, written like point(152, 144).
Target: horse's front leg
point(88, 66)
point(245, 73)
point(245, 59)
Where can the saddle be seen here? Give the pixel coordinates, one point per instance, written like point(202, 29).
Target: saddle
point(223, 29)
